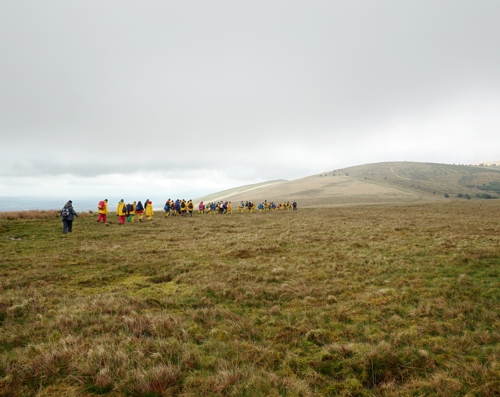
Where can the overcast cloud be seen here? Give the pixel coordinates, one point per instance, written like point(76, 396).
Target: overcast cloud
point(110, 97)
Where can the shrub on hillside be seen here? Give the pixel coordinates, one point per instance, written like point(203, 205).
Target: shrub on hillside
point(486, 196)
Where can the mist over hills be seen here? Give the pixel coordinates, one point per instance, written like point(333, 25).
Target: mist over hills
point(377, 183)
point(388, 182)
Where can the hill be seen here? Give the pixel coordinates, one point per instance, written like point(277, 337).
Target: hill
point(222, 195)
point(388, 182)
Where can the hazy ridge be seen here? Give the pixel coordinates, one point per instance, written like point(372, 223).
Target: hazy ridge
point(388, 182)
point(377, 183)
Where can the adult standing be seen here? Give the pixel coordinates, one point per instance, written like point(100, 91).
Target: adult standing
point(102, 209)
point(68, 214)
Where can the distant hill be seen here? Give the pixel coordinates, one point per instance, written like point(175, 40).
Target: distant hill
point(389, 182)
point(490, 163)
point(246, 189)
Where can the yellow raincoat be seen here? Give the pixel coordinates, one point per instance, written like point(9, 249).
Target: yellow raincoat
point(119, 208)
point(149, 210)
point(103, 210)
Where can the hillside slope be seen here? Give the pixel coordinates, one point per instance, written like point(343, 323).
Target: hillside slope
point(389, 182)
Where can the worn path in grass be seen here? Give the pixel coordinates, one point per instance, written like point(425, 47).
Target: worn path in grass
point(353, 301)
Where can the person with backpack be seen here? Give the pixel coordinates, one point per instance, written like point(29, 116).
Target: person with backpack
point(190, 207)
point(67, 215)
point(183, 207)
point(294, 205)
point(166, 208)
point(130, 212)
point(121, 212)
point(139, 209)
point(133, 211)
point(102, 209)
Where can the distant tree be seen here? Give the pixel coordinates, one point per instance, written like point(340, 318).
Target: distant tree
point(446, 195)
point(467, 196)
point(460, 195)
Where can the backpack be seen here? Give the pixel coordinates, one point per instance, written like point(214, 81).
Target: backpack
point(190, 206)
point(65, 212)
point(139, 206)
point(130, 208)
point(101, 205)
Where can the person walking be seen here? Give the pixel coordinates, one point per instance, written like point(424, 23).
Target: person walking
point(190, 207)
point(121, 211)
point(166, 208)
point(133, 211)
point(102, 209)
point(139, 209)
point(183, 208)
point(68, 215)
point(149, 210)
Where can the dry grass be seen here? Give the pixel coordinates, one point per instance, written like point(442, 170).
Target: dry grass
point(392, 301)
point(36, 214)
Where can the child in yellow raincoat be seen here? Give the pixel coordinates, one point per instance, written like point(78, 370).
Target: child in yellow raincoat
point(149, 210)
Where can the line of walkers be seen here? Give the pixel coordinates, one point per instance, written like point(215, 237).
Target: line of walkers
point(225, 207)
point(126, 212)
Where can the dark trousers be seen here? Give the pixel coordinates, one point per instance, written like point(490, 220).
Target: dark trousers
point(67, 226)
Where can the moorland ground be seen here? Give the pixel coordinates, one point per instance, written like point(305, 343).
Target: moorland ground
point(383, 300)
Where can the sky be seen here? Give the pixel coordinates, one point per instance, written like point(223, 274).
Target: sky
point(102, 98)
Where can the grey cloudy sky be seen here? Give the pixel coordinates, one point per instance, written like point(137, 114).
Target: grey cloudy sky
point(106, 97)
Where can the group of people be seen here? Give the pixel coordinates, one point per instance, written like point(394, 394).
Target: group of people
point(178, 207)
point(127, 212)
point(225, 207)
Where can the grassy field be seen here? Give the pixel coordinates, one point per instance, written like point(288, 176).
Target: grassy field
point(386, 300)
